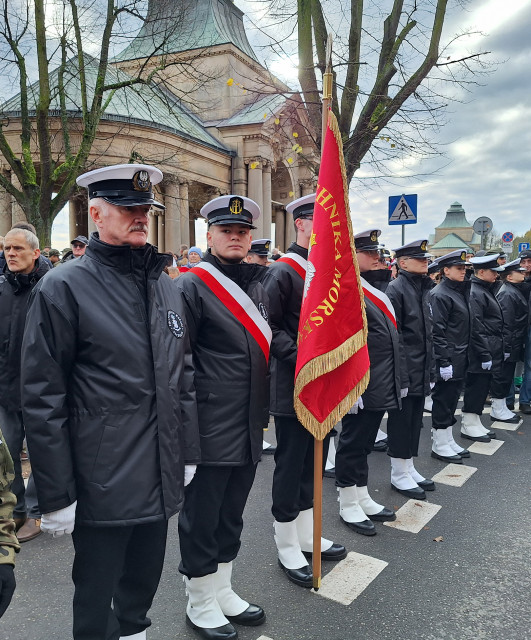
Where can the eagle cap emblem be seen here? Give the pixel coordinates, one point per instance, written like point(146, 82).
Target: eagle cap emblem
point(463, 255)
point(141, 181)
point(374, 236)
point(236, 205)
point(424, 245)
point(267, 245)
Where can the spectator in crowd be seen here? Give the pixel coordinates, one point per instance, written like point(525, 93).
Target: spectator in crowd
point(54, 256)
point(79, 245)
point(195, 255)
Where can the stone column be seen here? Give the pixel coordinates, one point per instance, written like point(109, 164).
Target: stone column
point(72, 219)
point(280, 231)
point(152, 229)
point(172, 216)
point(185, 213)
point(266, 200)
point(239, 175)
point(289, 230)
point(5, 207)
point(255, 191)
point(160, 232)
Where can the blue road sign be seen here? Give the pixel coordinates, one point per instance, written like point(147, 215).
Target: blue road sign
point(523, 246)
point(403, 209)
point(508, 236)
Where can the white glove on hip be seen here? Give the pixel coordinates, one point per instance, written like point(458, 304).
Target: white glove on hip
point(59, 522)
point(357, 405)
point(403, 392)
point(506, 356)
point(486, 366)
point(446, 372)
point(189, 473)
point(432, 384)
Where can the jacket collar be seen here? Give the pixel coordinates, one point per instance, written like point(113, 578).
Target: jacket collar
point(125, 258)
point(242, 273)
point(483, 283)
point(22, 281)
point(419, 280)
point(300, 251)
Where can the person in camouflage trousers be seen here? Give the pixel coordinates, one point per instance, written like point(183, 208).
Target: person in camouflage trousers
point(8, 541)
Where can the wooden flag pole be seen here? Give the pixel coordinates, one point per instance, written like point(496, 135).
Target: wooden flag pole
point(318, 444)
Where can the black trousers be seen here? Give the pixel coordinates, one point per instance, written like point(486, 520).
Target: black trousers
point(500, 385)
point(403, 428)
point(476, 391)
point(211, 522)
point(121, 565)
point(445, 396)
point(293, 474)
point(355, 443)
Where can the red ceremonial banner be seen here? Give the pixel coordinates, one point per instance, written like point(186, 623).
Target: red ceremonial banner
point(332, 359)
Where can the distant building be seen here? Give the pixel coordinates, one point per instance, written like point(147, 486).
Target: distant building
point(454, 232)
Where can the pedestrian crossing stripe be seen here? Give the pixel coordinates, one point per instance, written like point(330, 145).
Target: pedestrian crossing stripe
point(414, 516)
point(454, 475)
point(350, 577)
point(506, 425)
point(486, 448)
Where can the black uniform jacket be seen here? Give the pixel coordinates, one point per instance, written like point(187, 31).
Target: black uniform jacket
point(383, 391)
point(515, 311)
point(284, 288)
point(486, 338)
point(15, 289)
point(231, 371)
point(451, 326)
point(409, 294)
point(107, 388)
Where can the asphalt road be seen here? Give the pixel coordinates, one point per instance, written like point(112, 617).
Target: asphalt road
point(473, 585)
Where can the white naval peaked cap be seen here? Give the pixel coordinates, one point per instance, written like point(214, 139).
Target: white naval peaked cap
point(415, 249)
point(452, 259)
point(302, 206)
point(367, 240)
point(231, 209)
point(514, 265)
point(260, 247)
point(126, 185)
point(487, 262)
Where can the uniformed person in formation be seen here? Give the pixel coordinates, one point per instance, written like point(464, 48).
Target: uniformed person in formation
point(9, 544)
point(409, 294)
point(515, 311)
point(109, 408)
point(259, 251)
point(226, 313)
point(356, 507)
point(486, 353)
point(293, 475)
point(451, 335)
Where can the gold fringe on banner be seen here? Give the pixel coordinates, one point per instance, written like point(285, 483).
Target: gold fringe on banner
point(328, 362)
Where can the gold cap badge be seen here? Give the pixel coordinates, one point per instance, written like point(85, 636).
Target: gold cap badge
point(141, 181)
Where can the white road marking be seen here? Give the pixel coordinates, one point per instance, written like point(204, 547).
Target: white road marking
point(350, 577)
point(506, 425)
point(426, 414)
point(264, 638)
point(414, 515)
point(486, 448)
point(454, 475)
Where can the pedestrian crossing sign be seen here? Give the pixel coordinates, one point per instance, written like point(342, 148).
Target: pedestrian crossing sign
point(403, 209)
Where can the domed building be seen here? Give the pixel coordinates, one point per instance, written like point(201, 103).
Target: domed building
point(235, 134)
point(454, 232)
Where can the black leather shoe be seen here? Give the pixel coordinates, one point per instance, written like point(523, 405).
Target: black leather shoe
point(464, 453)
point(427, 484)
point(510, 406)
point(416, 493)
point(302, 577)
point(524, 408)
point(385, 515)
point(253, 616)
point(366, 528)
point(492, 435)
point(455, 459)
point(225, 632)
point(381, 445)
point(476, 438)
point(270, 450)
point(335, 553)
point(330, 473)
point(514, 420)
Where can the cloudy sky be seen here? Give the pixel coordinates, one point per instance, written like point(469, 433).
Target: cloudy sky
point(487, 140)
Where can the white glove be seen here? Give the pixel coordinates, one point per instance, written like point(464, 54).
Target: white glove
point(486, 366)
point(446, 372)
point(403, 392)
point(357, 405)
point(506, 356)
point(189, 473)
point(59, 522)
point(432, 384)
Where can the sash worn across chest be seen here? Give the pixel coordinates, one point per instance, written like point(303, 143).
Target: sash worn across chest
point(379, 298)
point(296, 262)
point(237, 302)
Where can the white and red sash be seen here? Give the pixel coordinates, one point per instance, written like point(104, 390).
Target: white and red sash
point(237, 302)
point(379, 299)
point(296, 262)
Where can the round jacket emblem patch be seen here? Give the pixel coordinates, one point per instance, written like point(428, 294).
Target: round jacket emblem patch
point(175, 324)
point(263, 311)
